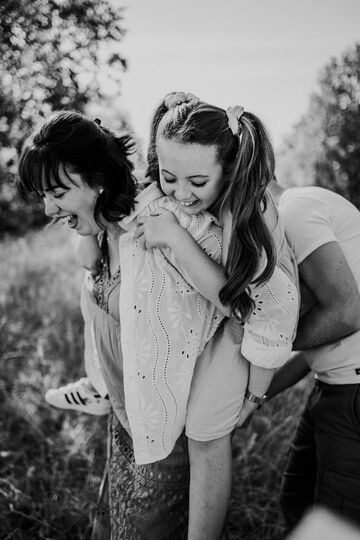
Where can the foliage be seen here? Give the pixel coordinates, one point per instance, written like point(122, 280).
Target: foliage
point(53, 54)
point(340, 168)
point(51, 461)
point(301, 150)
point(324, 147)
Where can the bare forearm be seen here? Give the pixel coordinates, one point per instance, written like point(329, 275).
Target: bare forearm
point(207, 276)
point(336, 311)
point(289, 374)
point(325, 324)
point(258, 384)
point(259, 380)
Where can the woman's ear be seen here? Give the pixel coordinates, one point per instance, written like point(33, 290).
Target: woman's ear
point(98, 181)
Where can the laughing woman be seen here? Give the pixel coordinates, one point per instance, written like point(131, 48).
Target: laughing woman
point(147, 344)
point(84, 175)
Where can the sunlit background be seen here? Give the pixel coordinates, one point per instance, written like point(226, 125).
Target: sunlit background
point(262, 54)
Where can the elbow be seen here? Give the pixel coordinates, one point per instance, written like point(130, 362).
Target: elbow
point(204, 450)
point(350, 319)
point(225, 310)
point(353, 324)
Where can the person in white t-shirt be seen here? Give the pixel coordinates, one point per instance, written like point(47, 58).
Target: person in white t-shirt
point(323, 466)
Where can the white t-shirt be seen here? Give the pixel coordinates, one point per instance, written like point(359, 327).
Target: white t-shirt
point(314, 216)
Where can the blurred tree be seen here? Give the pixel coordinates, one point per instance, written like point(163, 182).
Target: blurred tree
point(340, 97)
point(324, 147)
point(53, 54)
point(301, 149)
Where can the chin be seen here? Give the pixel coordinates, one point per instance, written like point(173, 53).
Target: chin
point(192, 211)
point(86, 232)
point(88, 229)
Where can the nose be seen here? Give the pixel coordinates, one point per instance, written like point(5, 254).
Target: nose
point(51, 207)
point(182, 192)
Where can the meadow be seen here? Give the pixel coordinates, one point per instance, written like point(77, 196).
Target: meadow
point(51, 461)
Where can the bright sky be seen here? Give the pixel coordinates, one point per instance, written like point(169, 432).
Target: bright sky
point(262, 54)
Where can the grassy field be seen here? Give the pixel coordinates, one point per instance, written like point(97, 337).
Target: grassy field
point(51, 461)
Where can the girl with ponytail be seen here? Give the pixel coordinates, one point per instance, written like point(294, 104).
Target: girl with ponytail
point(208, 158)
point(245, 154)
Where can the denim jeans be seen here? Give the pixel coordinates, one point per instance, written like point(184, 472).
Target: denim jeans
point(323, 466)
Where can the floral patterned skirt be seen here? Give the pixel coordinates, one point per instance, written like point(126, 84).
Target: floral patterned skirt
point(147, 502)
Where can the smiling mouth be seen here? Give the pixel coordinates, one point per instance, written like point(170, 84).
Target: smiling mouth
point(70, 220)
point(188, 204)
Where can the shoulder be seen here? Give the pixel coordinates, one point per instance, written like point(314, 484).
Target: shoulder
point(299, 197)
point(308, 217)
point(311, 198)
point(301, 206)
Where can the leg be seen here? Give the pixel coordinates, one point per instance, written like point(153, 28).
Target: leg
point(337, 429)
point(210, 487)
point(297, 491)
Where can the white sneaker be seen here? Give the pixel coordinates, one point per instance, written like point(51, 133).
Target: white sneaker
point(79, 396)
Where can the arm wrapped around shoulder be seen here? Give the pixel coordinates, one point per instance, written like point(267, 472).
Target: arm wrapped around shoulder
point(271, 328)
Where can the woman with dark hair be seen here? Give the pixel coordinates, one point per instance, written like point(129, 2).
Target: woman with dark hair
point(84, 174)
point(68, 145)
point(201, 157)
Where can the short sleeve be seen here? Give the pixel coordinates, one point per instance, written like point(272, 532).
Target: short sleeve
point(307, 224)
point(270, 330)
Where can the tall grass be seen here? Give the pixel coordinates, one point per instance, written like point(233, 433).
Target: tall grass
point(51, 461)
point(260, 453)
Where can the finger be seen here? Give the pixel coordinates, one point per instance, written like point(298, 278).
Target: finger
point(139, 231)
point(141, 242)
point(160, 210)
point(141, 220)
point(247, 422)
point(242, 424)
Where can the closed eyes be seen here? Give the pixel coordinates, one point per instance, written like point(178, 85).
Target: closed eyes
point(60, 195)
point(172, 181)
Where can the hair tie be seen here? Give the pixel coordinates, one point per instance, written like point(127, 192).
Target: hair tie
point(177, 98)
point(234, 114)
point(97, 121)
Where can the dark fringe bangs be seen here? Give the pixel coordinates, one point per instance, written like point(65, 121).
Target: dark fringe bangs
point(39, 171)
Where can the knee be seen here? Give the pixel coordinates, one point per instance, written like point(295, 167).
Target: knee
point(207, 450)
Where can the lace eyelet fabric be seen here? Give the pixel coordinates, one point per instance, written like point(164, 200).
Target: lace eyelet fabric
point(103, 286)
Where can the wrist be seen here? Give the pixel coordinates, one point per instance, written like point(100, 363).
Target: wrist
point(255, 399)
